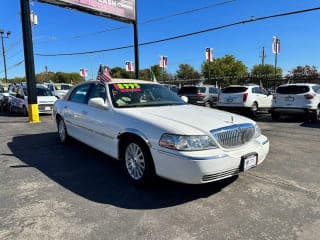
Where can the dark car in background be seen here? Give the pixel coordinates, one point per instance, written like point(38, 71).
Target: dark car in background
point(4, 99)
point(204, 95)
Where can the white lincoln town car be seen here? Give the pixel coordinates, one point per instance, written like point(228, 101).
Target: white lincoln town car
point(155, 133)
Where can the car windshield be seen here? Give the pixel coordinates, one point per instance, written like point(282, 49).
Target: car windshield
point(43, 92)
point(125, 95)
point(234, 90)
point(293, 89)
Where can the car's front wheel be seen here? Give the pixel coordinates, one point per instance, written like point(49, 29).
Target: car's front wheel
point(138, 162)
point(62, 131)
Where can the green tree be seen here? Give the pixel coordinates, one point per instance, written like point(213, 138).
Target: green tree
point(118, 72)
point(186, 71)
point(265, 70)
point(223, 68)
point(304, 71)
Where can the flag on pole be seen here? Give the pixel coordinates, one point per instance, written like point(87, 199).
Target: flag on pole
point(275, 45)
point(209, 54)
point(83, 72)
point(163, 61)
point(104, 74)
point(153, 76)
point(129, 66)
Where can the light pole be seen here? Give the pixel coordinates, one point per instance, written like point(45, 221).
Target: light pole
point(4, 53)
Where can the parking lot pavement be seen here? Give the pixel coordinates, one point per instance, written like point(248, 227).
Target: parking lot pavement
point(51, 191)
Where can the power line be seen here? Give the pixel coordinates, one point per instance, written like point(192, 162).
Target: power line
point(148, 21)
point(13, 66)
point(183, 35)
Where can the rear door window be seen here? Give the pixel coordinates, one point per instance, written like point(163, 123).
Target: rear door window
point(293, 89)
point(234, 90)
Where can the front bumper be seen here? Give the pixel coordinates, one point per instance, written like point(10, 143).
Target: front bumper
point(206, 166)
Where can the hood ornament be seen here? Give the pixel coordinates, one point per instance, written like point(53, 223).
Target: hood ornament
point(231, 119)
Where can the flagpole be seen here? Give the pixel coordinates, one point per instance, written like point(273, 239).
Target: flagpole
point(163, 73)
point(136, 43)
point(275, 69)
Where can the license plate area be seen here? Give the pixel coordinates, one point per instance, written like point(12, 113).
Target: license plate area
point(289, 99)
point(248, 161)
point(47, 108)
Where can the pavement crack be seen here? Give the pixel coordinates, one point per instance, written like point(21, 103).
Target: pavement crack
point(313, 194)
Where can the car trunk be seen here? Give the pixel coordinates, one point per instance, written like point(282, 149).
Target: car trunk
point(293, 96)
point(193, 93)
point(232, 95)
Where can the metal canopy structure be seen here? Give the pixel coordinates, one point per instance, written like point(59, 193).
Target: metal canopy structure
point(121, 10)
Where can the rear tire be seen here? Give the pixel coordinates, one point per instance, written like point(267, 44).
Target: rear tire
point(62, 131)
point(24, 111)
point(208, 104)
point(138, 162)
point(314, 117)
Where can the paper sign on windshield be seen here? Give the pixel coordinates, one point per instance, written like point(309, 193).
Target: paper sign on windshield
point(127, 87)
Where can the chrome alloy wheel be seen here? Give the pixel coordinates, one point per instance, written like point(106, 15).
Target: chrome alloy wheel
point(62, 131)
point(135, 161)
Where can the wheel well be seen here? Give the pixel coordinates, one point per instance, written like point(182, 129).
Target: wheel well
point(124, 138)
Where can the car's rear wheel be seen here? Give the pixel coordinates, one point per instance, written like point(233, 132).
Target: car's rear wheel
point(314, 117)
point(62, 131)
point(138, 162)
point(207, 104)
point(24, 111)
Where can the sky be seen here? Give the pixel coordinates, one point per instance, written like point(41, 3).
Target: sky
point(61, 30)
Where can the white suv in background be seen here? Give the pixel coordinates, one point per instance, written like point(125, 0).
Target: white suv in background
point(247, 98)
point(298, 98)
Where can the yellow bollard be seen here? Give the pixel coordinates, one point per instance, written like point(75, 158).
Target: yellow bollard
point(33, 112)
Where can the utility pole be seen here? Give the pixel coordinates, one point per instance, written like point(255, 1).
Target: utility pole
point(263, 56)
point(4, 53)
point(33, 110)
point(136, 43)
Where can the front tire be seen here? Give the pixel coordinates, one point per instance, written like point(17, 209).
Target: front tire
point(138, 162)
point(62, 131)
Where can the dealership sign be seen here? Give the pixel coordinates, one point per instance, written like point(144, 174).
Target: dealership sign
point(123, 10)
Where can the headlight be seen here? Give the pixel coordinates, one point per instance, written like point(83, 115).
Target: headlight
point(186, 143)
point(257, 131)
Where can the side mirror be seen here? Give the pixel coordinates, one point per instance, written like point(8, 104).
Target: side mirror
point(98, 103)
point(185, 99)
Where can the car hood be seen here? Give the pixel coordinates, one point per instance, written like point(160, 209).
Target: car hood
point(186, 119)
point(46, 99)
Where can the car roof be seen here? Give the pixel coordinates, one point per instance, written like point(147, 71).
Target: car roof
point(299, 84)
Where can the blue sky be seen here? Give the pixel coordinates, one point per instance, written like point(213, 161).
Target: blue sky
point(58, 27)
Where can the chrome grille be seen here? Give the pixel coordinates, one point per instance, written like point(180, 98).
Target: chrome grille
point(221, 175)
point(234, 135)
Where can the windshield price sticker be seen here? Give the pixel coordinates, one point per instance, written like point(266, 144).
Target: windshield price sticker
point(127, 87)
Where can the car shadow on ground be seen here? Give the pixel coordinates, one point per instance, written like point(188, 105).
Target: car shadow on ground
point(96, 177)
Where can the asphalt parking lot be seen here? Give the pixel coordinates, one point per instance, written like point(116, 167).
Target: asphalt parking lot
point(51, 191)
